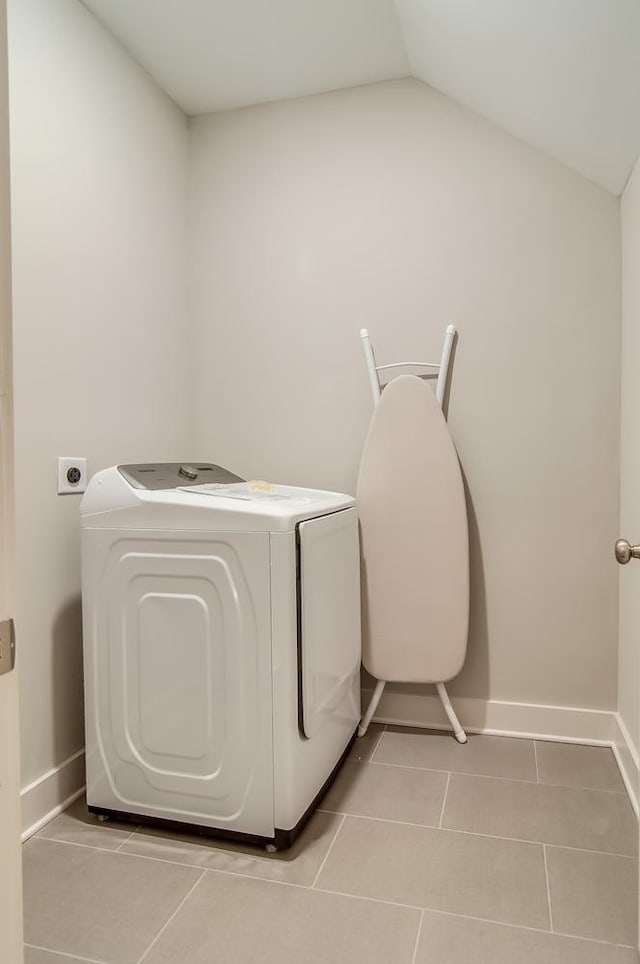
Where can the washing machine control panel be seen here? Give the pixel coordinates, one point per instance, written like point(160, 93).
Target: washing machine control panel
point(175, 475)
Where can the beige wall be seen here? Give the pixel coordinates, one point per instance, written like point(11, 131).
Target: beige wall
point(99, 160)
point(384, 206)
point(389, 207)
point(629, 666)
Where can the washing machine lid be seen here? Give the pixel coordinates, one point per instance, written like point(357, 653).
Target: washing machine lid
point(115, 499)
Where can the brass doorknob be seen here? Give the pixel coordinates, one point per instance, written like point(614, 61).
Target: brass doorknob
point(625, 552)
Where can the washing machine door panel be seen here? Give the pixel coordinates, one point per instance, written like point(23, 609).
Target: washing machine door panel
point(182, 663)
point(329, 631)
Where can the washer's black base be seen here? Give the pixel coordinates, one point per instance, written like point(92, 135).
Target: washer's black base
point(281, 840)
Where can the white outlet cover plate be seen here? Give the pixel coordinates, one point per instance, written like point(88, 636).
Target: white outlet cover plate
point(65, 486)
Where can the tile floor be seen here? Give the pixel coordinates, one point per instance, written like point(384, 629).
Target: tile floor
point(424, 852)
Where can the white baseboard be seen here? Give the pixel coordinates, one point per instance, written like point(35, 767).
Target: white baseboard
point(51, 793)
point(55, 790)
point(564, 724)
point(567, 724)
point(627, 758)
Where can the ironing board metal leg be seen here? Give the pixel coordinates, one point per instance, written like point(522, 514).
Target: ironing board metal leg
point(460, 735)
point(372, 707)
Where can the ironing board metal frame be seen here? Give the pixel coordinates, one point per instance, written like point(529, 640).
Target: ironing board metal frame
point(442, 370)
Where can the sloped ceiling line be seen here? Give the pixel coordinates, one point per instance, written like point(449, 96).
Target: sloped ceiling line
point(562, 75)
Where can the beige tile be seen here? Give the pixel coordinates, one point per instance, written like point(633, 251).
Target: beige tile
point(447, 940)
point(238, 920)
point(593, 895)
point(573, 765)
point(593, 819)
point(77, 825)
point(497, 756)
point(441, 870)
point(364, 746)
point(35, 955)
point(389, 792)
point(297, 865)
point(96, 904)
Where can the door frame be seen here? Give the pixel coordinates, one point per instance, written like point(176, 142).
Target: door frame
point(11, 925)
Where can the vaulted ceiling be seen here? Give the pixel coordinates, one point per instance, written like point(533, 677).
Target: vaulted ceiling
point(563, 75)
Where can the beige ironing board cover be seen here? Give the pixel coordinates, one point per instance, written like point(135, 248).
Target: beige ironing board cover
point(414, 540)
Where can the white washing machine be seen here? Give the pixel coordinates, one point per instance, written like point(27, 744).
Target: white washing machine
point(221, 648)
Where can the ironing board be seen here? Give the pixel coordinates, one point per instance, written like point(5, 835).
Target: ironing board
point(414, 544)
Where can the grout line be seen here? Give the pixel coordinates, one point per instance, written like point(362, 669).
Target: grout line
point(483, 920)
point(324, 890)
point(542, 843)
point(589, 940)
point(76, 843)
point(444, 800)
point(127, 839)
point(353, 896)
point(378, 742)
point(585, 850)
point(487, 836)
point(217, 846)
point(183, 863)
point(431, 910)
point(408, 766)
point(178, 908)
point(403, 823)
point(535, 756)
point(415, 949)
point(65, 954)
point(218, 870)
point(546, 879)
point(103, 850)
point(491, 776)
point(359, 816)
point(321, 867)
